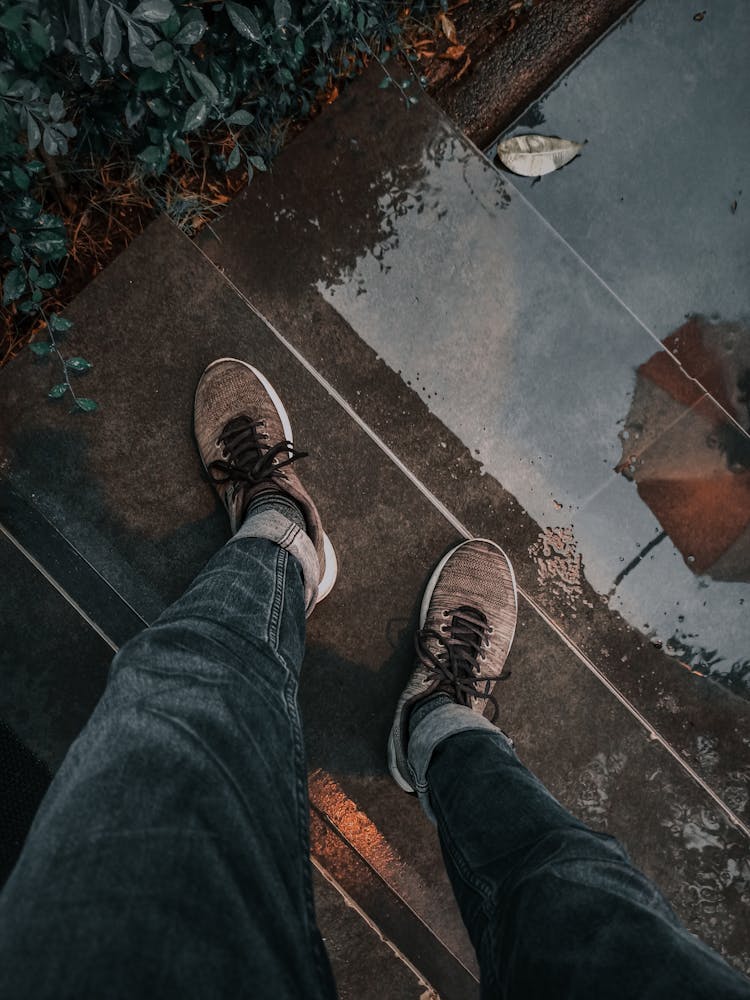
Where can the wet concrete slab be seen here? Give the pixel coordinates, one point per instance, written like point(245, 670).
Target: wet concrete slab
point(48, 687)
point(103, 485)
point(53, 668)
point(657, 201)
point(503, 371)
point(363, 965)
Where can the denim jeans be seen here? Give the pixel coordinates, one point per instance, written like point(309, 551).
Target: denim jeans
point(170, 856)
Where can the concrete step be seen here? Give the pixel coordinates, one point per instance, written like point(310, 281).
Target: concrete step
point(455, 367)
point(144, 536)
point(53, 665)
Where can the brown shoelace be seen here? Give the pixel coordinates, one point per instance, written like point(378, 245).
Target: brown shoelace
point(248, 457)
point(456, 666)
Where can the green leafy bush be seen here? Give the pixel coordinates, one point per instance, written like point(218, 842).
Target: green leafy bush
point(84, 78)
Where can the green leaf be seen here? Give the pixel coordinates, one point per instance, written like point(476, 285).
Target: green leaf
point(33, 132)
point(12, 19)
point(16, 254)
point(25, 209)
point(84, 22)
point(152, 156)
point(191, 32)
point(58, 391)
point(171, 26)
point(259, 163)
point(78, 365)
point(149, 79)
point(240, 118)
point(159, 107)
point(154, 11)
point(90, 67)
point(163, 56)
point(234, 158)
point(59, 324)
point(140, 53)
point(14, 285)
point(95, 21)
point(46, 281)
point(196, 115)
point(40, 348)
point(282, 11)
point(112, 37)
point(244, 21)
point(182, 148)
point(49, 243)
point(56, 108)
point(39, 35)
point(205, 85)
point(20, 177)
point(87, 405)
point(385, 82)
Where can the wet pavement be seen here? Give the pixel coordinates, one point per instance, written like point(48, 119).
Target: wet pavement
point(456, 364)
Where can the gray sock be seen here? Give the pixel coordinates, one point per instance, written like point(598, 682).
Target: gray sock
point(425, 707)
point(281, 503)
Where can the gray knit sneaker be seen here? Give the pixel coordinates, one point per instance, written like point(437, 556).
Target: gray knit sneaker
point(466, 627)
point(245, 441)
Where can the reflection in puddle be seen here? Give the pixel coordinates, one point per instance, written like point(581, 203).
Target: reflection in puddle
point(695, 476)
point(530, 361)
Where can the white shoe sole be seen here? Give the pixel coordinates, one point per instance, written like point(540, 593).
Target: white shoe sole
point(332, 566)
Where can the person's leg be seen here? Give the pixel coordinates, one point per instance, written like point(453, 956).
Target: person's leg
point(170, 855)
point(553, 908)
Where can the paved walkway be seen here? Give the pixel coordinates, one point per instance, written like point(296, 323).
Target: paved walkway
point(461, 355)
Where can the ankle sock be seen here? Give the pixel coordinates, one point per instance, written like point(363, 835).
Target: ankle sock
point(425, 707)
point(279, 502)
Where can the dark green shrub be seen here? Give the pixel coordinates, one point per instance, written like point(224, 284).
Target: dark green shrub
point(82, 78)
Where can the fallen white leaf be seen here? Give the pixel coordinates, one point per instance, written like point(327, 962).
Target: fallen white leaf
point(534, 155)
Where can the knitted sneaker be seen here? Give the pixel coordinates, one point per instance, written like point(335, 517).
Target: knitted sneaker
point(466, 627)
point(245, 441)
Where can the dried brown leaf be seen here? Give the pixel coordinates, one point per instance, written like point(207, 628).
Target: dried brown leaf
point(463, 68)
point(454, 52)
point(448, 28)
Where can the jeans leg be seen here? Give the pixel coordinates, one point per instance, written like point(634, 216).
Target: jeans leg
point(170, 856)
point(553, 908)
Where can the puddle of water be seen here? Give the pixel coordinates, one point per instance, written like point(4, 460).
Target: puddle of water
point(521, 352)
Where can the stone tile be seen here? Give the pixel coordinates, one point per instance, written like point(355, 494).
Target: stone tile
point(364, 966)
point(495, 365)
point(657, 202)
point(103, 484)
point(44, 543)
point(53, 665)
point(24, 779)
point(419, 245)
point(583, 745)
point(384, 904)
point(125, 490)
